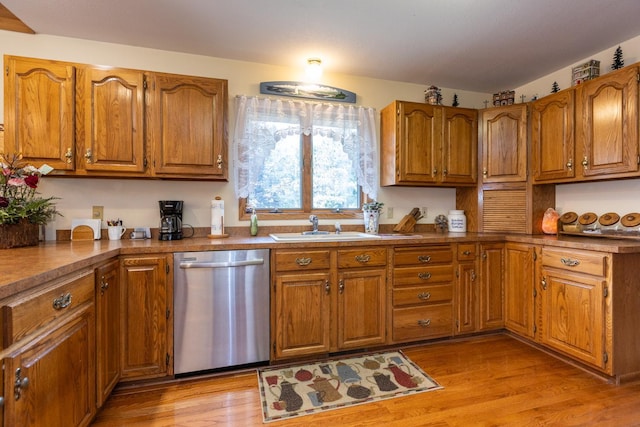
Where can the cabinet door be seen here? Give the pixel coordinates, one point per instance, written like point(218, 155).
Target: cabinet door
point(188, 126)
point(467, 298)
point(519, 279)
point(552, 137)
point(107, 329)
point(110, 105)
point(39, 111)
point(145, 292)
point(573, 315)
point(56, 372)
point(361, 308)
point(491, 286)
point(460, 146)
point(504, 144)
point(302, 314)
point(419, 142)
point(609, 123)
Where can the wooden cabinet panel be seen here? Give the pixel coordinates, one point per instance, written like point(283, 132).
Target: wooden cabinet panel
point(553, 137)
point(39, 111)
point(416, 323)
point(107, 329)
point(299, 260)
point(418, 142)
point(361, 308)
point(518, 288)
point(356, 258)
point(492, 286)
point(504, 144)
point(594, 263)
point(144, 299)
point(460, 146)
point(415, 295)
point(110, 107)
point(57, 372)
point(422, 275)
point(608, 124)
point(187, 126)
point(302, 314)
point(468, 298)
point(419, 256)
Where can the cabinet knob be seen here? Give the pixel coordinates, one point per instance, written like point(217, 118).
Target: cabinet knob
point(445, 172)
point(219, 161)
point(484, 172)
point(327, 287)
point(19, 384)
point(585, 162)
point(435, 171)
point(341, 286)
point(68, 155)
point(570, 164)
point(473, 275)
point(104, 285)
point(543, 282)
point(87, 155)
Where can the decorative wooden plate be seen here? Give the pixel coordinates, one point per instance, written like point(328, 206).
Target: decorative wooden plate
point(569, 218)
point(609, 218)
point(587, 218)
point(631, 219)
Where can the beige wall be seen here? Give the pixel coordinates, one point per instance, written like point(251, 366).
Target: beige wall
point(136, 201)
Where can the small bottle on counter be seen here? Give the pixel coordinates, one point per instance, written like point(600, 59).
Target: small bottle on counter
point(457, 221)
point(254, 223)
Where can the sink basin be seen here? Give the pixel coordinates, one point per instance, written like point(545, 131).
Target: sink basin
point(330, 237)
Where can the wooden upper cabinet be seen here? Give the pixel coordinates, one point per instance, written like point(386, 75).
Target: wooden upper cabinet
point(608, 124)
point(553, 137)
point(39, 111)
point(460, 145)
point(187, 126)
point(110, 107)
point(504, 144)
point(425, 145)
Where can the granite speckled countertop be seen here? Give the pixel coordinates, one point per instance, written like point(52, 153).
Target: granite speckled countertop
point(26, 268)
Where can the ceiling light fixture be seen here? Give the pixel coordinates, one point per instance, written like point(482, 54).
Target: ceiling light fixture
point(314, 69)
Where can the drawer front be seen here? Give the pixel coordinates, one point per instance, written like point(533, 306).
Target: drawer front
point(594, 263)
point(422, 322)
point(466, 252)
point(362, 258)
point(23, 315)
point(423, 256)
point(302, 260)
point(422, 275)
point(422, 295)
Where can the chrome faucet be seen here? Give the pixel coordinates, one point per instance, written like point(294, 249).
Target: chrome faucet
point(314, 221)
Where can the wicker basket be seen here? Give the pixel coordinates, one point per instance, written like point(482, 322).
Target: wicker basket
point(17, 235)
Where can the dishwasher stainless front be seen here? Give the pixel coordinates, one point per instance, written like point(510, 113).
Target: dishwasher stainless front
point(221, 309)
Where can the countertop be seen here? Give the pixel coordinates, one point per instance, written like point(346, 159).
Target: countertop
point(26, 268)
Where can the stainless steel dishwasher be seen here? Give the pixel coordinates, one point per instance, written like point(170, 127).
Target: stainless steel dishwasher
point(221, 309)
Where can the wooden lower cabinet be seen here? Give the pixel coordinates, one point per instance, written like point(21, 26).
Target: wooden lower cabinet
point(56, 373)
point(107, 329)
point(491, 311)
point(324, 303)
point(519, 289)
point(146, 316)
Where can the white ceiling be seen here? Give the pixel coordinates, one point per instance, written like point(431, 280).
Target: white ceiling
point(477, 45)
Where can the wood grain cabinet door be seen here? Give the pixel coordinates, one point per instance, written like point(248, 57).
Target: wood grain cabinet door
point(39, 111)
point(460, 146)
point(519, 280)
point(553, 137)
point(419, 142)
point(110, 106)
point(608, 127)
point(188, 126)
point(107, 329)
point(491, 286)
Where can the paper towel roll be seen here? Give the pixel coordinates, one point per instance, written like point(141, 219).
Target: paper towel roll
point(217, 216)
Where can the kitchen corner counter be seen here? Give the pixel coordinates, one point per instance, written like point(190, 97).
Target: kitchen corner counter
point(26, 268)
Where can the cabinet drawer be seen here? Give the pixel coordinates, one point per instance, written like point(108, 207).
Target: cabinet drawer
point(422, 295)
point(422, 322)
point(24, 314)
point(362, 258)
point(302, 260)
point(466, 252)
point(594, 263)
point(422, 275)
point(423, 256)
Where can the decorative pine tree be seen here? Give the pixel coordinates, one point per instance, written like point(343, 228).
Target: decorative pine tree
point(618, 62)
point(555, 88)
point(455, 102)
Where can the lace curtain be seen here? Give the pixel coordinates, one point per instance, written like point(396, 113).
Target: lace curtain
point(256, 134)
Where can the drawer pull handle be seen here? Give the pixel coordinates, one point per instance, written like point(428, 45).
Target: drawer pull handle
point(19, 384)
point(363, 259)
point(327, 287)
point(303, 261)
point(543, 282)
point(424, 276)
point(569, 262)
point(104, 285)
point(424, 296)
point(63, 301)
point(341, 286)
point(466, 253)
point(424, 322)
point(424, 258)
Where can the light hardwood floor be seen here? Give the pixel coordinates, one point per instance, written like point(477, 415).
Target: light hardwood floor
point(492, 380)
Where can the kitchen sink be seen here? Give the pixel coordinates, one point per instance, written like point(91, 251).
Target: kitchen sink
point(327, 237)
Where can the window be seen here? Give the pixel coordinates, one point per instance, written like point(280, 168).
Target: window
point(294, 158)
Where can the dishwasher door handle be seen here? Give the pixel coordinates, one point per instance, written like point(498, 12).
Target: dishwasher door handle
point(192, 264)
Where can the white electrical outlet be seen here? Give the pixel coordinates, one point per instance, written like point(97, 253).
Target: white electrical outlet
point(423, 211)
point(389, 213)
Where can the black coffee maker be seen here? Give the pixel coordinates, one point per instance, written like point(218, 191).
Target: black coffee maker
point(170, 219)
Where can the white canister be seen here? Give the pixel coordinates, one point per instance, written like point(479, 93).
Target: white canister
point(457, 221)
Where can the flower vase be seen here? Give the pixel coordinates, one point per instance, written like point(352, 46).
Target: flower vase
point(371, 219)
point(24, 233)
